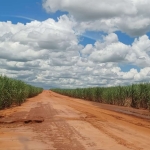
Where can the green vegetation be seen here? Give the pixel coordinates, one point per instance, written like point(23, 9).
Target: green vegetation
point(15, 92)
point(136, 95)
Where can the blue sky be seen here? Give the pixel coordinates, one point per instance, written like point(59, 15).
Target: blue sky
point(19, 11)
point(22, 11)
point(27, 8)
point(106, 39)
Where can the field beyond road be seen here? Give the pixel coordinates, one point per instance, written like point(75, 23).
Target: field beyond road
point(51, 121)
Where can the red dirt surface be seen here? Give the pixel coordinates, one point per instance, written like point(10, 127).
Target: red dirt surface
point(51, 121)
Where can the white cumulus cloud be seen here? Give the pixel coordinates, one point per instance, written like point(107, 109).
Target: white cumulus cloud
point(129, 16)
point(48, 53)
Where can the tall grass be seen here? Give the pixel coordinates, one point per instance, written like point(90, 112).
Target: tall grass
point(137, 95)
point(15, 92)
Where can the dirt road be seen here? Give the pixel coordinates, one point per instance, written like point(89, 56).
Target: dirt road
point(51, 121)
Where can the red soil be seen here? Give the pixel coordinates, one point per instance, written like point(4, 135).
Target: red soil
point(51, 121)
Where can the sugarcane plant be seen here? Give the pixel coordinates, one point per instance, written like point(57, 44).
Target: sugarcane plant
point(15, 92)
point(139, 94)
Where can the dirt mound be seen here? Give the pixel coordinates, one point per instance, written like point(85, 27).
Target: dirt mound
point(1, 116)
point(34, 120)
point(9, 120)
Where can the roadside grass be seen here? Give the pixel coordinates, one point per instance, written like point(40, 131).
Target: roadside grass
point(15, 92)
point(138, 94)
